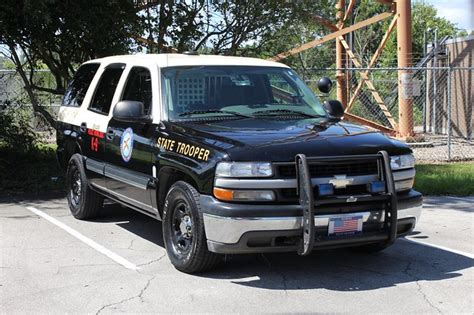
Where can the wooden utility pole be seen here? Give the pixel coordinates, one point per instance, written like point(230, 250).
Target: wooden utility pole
point(405, 85)
point(340, 60)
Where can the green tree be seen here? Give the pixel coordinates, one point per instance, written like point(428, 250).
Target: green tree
point(424, 16)
point(60, 35)
point(229, 27)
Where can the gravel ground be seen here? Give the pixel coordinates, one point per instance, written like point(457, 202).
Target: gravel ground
point(435, 148)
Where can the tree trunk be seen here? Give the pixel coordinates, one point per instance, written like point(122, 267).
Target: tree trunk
point(37, 109)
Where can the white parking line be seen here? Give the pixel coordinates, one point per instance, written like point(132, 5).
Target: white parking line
point(101, 249)
point(469, 255)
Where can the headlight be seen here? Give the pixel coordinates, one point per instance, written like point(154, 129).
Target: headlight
point(244, 169)
point(400, 162)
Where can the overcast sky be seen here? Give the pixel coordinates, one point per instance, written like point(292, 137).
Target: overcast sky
point(457, 11)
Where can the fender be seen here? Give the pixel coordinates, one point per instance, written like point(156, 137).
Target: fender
point(68, 141)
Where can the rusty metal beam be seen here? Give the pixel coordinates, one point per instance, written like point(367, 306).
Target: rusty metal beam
point(387, 2)
point(404, 43)
point(340, 57)
point(349, 9)
point(324, 22)
point(370, 85)
point(373, 60)
point(369, 123)
point(331, 36)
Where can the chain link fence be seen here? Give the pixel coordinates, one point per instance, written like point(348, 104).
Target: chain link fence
point(14, 96)
point(442, 97)
point(443, 117)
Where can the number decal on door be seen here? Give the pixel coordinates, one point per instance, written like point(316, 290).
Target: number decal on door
point(94, 144)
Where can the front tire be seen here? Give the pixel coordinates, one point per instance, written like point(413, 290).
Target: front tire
point(183, 230)
point(83, 202)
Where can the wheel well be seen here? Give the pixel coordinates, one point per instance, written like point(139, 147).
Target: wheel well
point(73, 149)
point(166, 178)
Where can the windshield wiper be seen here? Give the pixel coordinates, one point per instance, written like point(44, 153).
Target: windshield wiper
point(210, 111)
point(285, 112)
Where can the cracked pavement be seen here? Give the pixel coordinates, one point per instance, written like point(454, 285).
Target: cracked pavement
point(45, 270)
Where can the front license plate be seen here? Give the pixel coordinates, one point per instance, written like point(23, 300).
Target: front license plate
point(345, 225)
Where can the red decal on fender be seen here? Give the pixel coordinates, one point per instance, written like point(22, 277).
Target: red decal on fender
point(95, 133)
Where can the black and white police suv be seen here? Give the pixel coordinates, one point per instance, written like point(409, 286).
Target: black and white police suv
point(234, 155)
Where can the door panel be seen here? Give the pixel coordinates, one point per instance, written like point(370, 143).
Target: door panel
point(128, 163)
point(94, 121)
point(129, 146)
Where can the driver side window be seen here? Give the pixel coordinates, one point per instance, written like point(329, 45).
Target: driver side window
point(138, 87)
point(282, 91)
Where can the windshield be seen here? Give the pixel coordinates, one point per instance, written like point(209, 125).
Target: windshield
point(237, 91)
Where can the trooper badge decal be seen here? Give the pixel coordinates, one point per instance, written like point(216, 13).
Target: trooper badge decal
point(126, 144)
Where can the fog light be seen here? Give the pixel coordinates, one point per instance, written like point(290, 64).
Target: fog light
point(325, 189)
point(376, 187)
point(405, 184)
point(244, 195)
point(254, 195)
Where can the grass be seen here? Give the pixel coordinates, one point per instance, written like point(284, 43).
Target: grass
point(34, 172)
point(455, 179)
point(37, 172)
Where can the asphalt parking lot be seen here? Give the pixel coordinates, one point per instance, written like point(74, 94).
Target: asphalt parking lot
point(117, 263)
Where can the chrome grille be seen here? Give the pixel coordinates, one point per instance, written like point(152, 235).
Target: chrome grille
point(329, 169)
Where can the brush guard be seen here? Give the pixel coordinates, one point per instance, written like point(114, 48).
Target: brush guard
point(310, 205)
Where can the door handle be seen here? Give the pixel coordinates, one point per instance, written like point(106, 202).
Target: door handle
point(83, 127)
point(110, 133)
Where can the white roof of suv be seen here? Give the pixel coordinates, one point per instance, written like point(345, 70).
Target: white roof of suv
point(175, 60)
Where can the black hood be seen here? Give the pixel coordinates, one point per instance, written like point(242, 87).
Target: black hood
point(280, 140)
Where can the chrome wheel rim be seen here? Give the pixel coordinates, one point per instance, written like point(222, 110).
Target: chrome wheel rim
point(182, 228)
point(75, 188)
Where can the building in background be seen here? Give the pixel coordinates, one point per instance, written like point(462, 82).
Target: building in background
point(451, 88)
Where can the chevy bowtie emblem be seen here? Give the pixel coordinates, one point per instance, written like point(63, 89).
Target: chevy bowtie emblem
point(351, 199)
point(341, 181)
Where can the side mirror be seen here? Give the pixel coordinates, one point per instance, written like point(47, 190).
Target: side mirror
point(325, 85)
point(130, 111)
point(334, 108)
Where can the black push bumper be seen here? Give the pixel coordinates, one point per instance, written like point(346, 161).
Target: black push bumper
point(247, 228)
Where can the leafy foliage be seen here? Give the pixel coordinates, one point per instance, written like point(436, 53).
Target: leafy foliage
point(228, 27)
point(62, 34)
point(424, 17)
point(35, 171)
point(59, 35)
point(16, 134)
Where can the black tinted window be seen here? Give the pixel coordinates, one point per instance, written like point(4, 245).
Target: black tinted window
point(79, 85)
point(138, 87)
point(105, 90)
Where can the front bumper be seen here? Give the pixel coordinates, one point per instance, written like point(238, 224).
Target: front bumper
point(248, 228)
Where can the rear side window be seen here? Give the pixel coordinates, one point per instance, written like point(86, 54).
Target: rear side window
point(104, 93)
point(138, 87)
point(79, 85)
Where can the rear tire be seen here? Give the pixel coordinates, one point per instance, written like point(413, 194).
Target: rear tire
point(183, 230)
point(83, 202)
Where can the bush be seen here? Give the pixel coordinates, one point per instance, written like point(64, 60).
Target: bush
point(16, 133)
point(34, 172)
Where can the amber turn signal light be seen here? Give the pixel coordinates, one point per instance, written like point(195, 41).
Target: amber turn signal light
point(223, 194)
